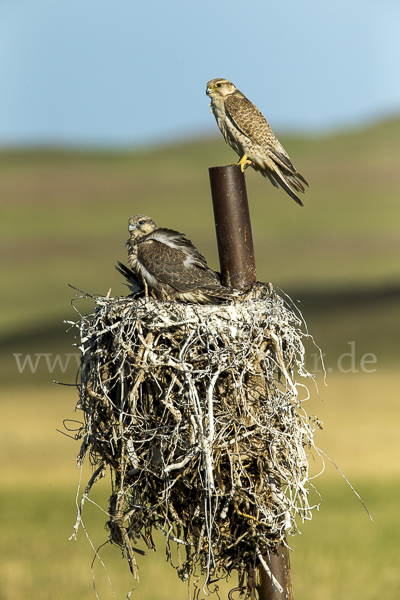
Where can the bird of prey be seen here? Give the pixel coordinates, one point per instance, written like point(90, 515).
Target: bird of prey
point(247, 131)
point(169, 265)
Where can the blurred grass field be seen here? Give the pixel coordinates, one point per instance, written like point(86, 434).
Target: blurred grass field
point(340, 553)
point(64, 220)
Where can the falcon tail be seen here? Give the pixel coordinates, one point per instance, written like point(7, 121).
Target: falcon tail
point(286, 176)
point(290, 182)
point(133, 282)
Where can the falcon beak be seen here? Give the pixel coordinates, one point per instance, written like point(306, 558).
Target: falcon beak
point(131, 227)
point(208, 91)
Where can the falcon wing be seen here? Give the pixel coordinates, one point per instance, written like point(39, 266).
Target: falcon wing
point(178, 241)
point(183, 268)
point(251, 122)
point(248, 119)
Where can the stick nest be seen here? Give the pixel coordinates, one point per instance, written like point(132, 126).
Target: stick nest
point(196, 411)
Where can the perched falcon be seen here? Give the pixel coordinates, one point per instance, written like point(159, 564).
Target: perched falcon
point(169, 266)
point(249, 134)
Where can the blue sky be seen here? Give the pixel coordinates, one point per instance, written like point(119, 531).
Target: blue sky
point(124, 72)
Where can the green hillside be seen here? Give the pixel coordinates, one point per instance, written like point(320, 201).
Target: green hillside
point(64, 215)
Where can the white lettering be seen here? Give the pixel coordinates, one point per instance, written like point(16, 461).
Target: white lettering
point(352, 355)
point(371, 360)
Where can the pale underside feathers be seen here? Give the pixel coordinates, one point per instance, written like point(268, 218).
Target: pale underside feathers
point(247, 131)
point(169, 266)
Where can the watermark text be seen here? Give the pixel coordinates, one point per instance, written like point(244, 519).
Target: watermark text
point(348, 362)
point(29, 362)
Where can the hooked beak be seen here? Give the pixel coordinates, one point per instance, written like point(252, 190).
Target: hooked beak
point(131, 227)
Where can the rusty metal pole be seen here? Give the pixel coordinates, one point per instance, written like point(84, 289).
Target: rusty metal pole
point(279, 564)
point(232, 223)
point(238, 270)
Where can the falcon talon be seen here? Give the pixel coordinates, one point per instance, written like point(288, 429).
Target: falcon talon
point(247, 131)
point(244, 163)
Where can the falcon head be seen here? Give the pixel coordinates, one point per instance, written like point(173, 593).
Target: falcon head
point(141, 225)
point(220, 88)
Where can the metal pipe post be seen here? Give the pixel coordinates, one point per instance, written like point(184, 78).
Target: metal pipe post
point(238, 270)
point(279, 564)
point(232, 223)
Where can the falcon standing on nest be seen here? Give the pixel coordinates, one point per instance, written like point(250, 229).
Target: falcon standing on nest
point(169, 265)
point(249, 134)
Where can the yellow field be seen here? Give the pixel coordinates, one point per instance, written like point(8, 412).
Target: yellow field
point(339, 554)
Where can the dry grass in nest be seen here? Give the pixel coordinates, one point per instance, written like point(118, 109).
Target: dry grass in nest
point(196, 411)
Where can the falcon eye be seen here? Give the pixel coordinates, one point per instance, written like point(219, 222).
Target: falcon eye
point(142, 222)
point(219, 84)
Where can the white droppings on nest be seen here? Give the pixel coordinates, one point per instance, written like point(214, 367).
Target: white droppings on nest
point(197, 411)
